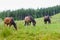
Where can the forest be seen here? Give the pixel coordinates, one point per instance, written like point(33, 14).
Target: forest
point(19, 14)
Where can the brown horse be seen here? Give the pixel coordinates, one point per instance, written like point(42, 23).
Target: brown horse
point(47, 19)
point(28, 20)
point(9, 21)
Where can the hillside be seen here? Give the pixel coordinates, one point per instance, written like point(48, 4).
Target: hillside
point(39, 32)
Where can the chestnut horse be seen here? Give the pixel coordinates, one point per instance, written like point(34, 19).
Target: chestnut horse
point(10, 21)
point(28, 20)
point(47, 19)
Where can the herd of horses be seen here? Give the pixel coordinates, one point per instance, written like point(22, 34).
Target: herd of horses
point(28, 20)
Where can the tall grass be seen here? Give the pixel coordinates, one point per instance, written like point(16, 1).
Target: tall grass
point(39, 32)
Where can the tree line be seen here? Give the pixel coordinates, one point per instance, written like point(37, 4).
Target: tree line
point(35, 13)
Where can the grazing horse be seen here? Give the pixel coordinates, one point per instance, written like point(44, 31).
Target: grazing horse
point(9, 21)
point(47, 19)
point(28, 20)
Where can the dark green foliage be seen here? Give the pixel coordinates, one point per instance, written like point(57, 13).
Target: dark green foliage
point(35, 13)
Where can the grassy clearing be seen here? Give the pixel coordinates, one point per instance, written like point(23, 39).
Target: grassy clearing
point(40, 32)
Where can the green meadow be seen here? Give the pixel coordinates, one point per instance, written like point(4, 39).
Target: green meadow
point(39, 32)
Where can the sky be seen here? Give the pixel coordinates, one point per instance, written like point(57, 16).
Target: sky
point(18, 4)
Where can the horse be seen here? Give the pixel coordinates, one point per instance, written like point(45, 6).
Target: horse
point(10, 21)
point(47, 19)
point(28, 20)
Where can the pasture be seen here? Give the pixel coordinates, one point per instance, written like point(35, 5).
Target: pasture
point(39, 32)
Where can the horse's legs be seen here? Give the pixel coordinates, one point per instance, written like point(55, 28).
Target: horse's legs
point(10, 25)
point(49, 21)
point(25, 23)
point(45, 21)
point(7, 24)
point(29, 23)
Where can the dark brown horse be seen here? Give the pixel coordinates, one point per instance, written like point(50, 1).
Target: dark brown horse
point(28, 20)
point(9, 21)
point(47, 19)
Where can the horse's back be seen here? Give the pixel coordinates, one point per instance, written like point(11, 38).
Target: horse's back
point(8, 19)
point(27, 18)
point(46, 17)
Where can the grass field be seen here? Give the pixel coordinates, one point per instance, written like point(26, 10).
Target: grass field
point(39, 32)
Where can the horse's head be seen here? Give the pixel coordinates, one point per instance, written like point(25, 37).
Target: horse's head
point(34, 22)
point(15, 26)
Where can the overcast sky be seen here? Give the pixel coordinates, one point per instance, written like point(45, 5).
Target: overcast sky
point(17, 4)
